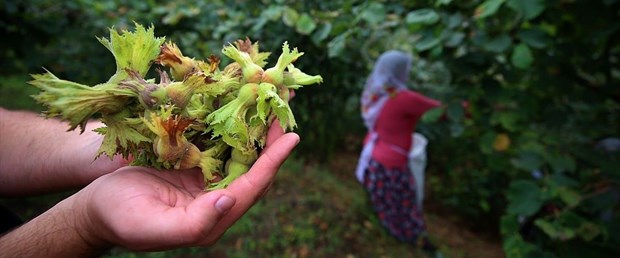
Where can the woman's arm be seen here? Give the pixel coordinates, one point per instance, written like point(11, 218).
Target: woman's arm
point(417, 104)
point(420, 104)
point(39, 155)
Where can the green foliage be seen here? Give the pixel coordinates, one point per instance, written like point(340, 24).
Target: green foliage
point(541, 78)
point(531, 78)
point(524, 197)
point(15, 92)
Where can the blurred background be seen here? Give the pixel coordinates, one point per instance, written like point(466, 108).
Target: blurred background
point(533, 172)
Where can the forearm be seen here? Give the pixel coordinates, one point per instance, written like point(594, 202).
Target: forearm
point(56, 233)
point(38, 155)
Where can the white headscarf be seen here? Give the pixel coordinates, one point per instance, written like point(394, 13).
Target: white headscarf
point(389, 76)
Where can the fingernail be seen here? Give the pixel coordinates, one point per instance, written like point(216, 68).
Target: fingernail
point(224, 204)
point(297, 139)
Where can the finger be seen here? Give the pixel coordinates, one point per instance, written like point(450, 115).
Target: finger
point(252, 184)
point(205, 212)
point(291, 94)
point(265, 168)
point(275, 131)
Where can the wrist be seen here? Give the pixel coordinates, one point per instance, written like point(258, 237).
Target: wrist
point(82, 222)
point(61, 231)
point(84, 165)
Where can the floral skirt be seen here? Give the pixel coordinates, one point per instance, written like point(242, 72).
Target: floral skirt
point(393, 195)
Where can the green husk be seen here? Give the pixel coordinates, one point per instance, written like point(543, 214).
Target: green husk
point(202, 116)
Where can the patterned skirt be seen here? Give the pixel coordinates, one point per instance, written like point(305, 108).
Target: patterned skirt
point(393, 195)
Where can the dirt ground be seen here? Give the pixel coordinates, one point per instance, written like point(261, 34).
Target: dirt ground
point(448, 231)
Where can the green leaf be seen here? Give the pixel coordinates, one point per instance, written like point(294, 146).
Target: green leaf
point(454, 39)
point(272, 12)
point(432, 115)
point(515, 247)
point(524, 198)
point(374, 13)
point(455, 20)
point(528, 8)
point(488, 8)
point(484, 205)
point(561, 163)
point(534, 37)
point(269, 100)
point(422, 16)
point(588, 231)
point(439, 3)
point(509, 224)
point(336, 45)
point(547, 227)
point(322, 33)
point(486, 142)
point(284, 113)
point(427, 42)
point(259, 23)
point(290, 17)
point(456, 129)
point(229, 122)
point(569, 196)
point(266, 91)
point(305, 25)
point(436, 51)
point(455, 112)
point(117, 140)
point(498, 44)
point(562, 180)
point(522, 56)
point(528, 161)
point(119, 135)
point(534, 147)
point(507, 119)
point(554, 230)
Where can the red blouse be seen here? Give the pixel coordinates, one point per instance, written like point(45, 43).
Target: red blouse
point(395, 125)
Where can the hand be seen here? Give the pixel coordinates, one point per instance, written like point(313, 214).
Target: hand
point(144, 209)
